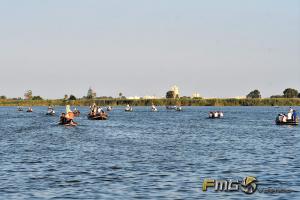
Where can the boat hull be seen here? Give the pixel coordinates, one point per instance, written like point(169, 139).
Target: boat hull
point(98, 117)
point(292, 123)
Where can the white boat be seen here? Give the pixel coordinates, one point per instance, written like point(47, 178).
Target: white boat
point(20, 108)
point(153, 108)
point(178, 108)
point(171, 107)
point(128, 109)
point(50, 111)
point(215, 114)
point(109, 108)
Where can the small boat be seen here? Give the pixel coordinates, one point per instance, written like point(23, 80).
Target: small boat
point(288, 122)
point(68, 124)
point(29, 110)
point(50, 112)
point(153, 108)
point(215, 115)
point(65, 122)
point(178, 108)
point(287, 119)
point(128, 109)
point(171, 107)
point(19, 109)
point(101, 116)
point(109, 108)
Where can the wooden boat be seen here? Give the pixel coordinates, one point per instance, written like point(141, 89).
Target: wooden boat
point(102, 116)
point(29, 111)
point(68, 124)
point(288, 122)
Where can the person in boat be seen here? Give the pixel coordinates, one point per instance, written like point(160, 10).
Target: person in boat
point(284, 118)
point(278, 118)
point(63, 119)
point(221, 114)
point(94, 110)
point(50, 109)
point(289, 115)
point(66, 121)
point(216, 114)
point(294, 116)
point(69, 116)
point(99, 110)
point(281, 117)
point(69, 113)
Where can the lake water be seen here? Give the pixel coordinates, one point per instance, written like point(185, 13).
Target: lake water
point(146, 155)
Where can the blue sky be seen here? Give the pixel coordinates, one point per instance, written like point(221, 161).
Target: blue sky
point(217, 48)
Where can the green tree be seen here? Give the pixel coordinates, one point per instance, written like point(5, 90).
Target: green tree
point(255, 94)
point(276, 96)
point(3, 97)
point(290, 93)
point(72, 97)
point(120, 94)
point(37, 98)
point(170, 95)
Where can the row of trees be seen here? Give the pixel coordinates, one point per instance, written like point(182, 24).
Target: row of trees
point(287, 93)
point(255, 94)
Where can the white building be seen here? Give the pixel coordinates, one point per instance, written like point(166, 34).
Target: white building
point(196, 95)
point(133, 97)
point(175, 89)
point(151, 97)
point(240, 97)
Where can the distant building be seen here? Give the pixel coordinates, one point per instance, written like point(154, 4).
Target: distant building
point(133, 97)
point(91, 94)
point(196, 95)
point(240, 97)
point(150, 97)
point(175, 89)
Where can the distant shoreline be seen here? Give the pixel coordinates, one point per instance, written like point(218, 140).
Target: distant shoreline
point(158, 102)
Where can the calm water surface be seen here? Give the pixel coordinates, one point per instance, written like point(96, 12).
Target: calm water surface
point(146, 155)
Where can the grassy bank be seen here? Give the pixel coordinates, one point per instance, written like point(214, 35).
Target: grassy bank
point(148, 102)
